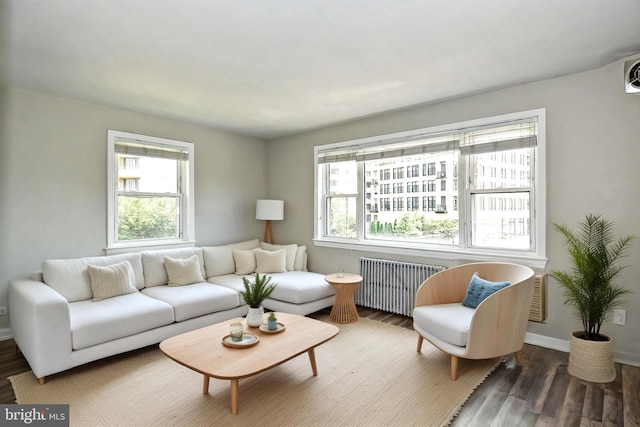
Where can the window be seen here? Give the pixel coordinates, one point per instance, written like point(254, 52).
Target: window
point(150, 194)
point(431, 203)
point(494, 204)
point(342, 193)
point(413, 204)
point(128, 184)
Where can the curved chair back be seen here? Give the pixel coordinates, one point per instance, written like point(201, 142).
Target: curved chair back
point(500, 321)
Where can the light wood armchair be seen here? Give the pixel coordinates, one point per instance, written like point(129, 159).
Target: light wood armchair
point(496, 327)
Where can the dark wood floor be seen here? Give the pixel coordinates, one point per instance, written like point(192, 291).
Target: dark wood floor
point(538, 392)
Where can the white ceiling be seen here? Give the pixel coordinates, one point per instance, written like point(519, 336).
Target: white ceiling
point(270, 68)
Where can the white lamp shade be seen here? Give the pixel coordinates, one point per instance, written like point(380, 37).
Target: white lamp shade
point(270, 209)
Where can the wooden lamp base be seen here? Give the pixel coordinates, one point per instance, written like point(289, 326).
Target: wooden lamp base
point(268, 232)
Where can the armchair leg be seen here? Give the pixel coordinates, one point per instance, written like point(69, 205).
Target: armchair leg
point(419, 343)
point(518, 357)
point(42, 380)
point(454, 367)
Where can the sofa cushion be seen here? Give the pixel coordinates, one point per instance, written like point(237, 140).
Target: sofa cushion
point(245, 261)
point(195, 300)
point(182, 272)
point(231, 281)
point(448, 322)
point(299, 287)
point(480, 289)
point(155, 273)
point(218, 260)
point(111, 280)
point(70, 278)
point(95, 322)
point(271, 261)
point(291, 253)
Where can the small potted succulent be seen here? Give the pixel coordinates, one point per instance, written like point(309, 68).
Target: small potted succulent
point(272, 322)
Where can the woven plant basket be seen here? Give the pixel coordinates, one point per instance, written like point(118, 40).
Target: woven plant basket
point(591, 360)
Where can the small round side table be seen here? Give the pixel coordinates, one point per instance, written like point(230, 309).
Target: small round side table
point(344, 284)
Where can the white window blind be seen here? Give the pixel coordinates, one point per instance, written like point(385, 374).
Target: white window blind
point(136, 148)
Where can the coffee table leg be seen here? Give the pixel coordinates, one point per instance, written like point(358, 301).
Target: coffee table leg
point(205, 384)
point(312, 359)
point(234, 396)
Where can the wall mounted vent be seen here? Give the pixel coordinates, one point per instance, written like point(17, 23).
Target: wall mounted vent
point(538, 312)
point(632, 76)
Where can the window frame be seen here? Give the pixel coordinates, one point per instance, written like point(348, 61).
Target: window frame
point(185, 178)
point(535, 258)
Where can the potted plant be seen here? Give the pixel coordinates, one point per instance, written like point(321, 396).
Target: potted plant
point(272, 322)
point(588, 287)
point(254, 293)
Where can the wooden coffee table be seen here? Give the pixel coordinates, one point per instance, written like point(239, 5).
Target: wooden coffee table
point(202, 350)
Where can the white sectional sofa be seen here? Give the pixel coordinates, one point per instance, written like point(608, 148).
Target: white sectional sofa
point(76, 311)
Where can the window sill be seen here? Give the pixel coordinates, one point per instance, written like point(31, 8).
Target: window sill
point(454, 256)
point(146, 246)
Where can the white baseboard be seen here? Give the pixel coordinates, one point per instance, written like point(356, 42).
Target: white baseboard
point(625, 358)
point(5, 334)
point(547, 342)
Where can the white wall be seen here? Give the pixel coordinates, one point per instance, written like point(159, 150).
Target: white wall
point(593, 150)
point(53, 180)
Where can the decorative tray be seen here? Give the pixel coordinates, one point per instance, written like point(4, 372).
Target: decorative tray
point(265, 328)
point(248, 340)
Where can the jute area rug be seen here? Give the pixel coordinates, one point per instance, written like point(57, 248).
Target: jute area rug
point(368, 375)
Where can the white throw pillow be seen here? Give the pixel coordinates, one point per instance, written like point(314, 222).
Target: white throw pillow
point(218, 260)
point(111, 280)
point(155, 272)
point(271, 261)
point(183, 271)
point(291, 253)
point(298, 265)
point(245, 261)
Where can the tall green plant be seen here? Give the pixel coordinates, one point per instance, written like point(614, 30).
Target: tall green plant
point(588, 286)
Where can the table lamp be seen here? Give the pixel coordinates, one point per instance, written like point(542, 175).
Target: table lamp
point(269, 210)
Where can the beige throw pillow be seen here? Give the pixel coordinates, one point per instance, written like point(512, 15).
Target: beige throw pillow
point(271, 261)
point(218, 260)
point(291, 249)
point(245, 261)
point(111, 280)
point(183, 271)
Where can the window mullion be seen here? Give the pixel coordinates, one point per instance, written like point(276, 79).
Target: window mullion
point(360, 202)
point(465, 207)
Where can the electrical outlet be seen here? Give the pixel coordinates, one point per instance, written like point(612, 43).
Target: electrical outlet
point(619, 317)
point(3, 311)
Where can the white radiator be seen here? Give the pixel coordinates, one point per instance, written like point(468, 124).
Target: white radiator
point(391, 285)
